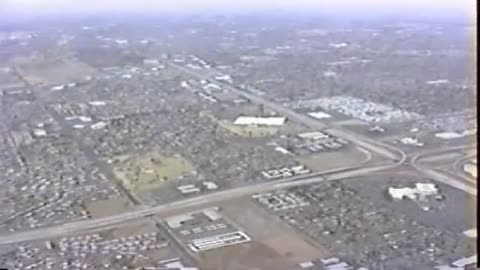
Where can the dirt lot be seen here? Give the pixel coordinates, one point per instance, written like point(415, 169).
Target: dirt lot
point(270, 232)
point(333, 159)
point(108, 207)
point(251, 256)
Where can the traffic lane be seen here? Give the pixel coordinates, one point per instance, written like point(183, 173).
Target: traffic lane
point(179, 206)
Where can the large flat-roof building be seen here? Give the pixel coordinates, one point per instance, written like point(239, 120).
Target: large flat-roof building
point(260, 121)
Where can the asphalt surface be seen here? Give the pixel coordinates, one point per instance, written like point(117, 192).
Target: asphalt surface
point(453, 180)
point(199, 201)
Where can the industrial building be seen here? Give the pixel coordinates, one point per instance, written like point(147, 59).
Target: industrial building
point(260, 121)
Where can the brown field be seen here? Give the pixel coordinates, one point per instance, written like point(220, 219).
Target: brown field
point(108, 207)
point(248, 256)
point(272, 234)
point(334, 159)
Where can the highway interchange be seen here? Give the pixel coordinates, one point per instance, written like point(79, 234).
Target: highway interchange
point(394, 158)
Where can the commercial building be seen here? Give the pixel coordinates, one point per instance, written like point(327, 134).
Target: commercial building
point(260, 121)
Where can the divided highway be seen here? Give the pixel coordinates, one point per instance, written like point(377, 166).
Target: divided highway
point(388, 151)
point(199, 201)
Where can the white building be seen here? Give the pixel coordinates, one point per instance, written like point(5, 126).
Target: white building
point(210, 185)
point(98, 125)
point(401, 193)
point(319, 115)
point(471, 168)
point(259, 121)
point(420, 190)
point(313, 135)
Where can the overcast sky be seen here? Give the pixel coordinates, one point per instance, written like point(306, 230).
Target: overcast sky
point(366, 6)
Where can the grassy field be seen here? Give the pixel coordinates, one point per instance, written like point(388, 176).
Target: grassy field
point(150, 170)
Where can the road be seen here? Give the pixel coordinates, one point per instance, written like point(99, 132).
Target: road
point(435, 152)
point(388, 151)
point(199, 201)
point(458, 164)
point(391, 153)
point(439, 176)
point(385, 150)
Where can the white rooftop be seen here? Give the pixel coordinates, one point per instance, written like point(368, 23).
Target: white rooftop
point(314, 135)
point(176, 221)
point(260, 121)
point(420, 190)
point(212, 213)
point(306, 264)
point(472, 233)
point(98, 125)
point(465, 261)
point(319, 115)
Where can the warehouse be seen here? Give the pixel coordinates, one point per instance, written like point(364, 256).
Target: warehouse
point(260, 121)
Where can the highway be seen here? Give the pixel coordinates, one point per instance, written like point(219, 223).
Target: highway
point(439, 176)
point(391, 153)
point(388, 151)
point(199, 201)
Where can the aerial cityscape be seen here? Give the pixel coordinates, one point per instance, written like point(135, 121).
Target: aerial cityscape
point(238, 143)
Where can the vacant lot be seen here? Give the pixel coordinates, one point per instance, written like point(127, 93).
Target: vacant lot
point(346, 157)
point(44, 70)
point(102, 208)
point(272, 234)
point(150, 170)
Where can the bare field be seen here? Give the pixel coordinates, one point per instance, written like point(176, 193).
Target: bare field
point(293, 248)
point(42, 70)
point(108, 207)
point(272, 233)
point(331, 160)
point(244, 257)
point(150, 170)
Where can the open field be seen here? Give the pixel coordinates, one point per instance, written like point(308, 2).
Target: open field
point(244, 257)
point(102, 208)
point(268, 231)
point(334, 159)
point(43, 70)
point(149, 171)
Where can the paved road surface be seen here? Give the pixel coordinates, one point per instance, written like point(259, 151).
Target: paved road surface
point(446, 178)
point(199, 201)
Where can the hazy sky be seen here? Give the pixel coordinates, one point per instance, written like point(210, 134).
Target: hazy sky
point(66, 6)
